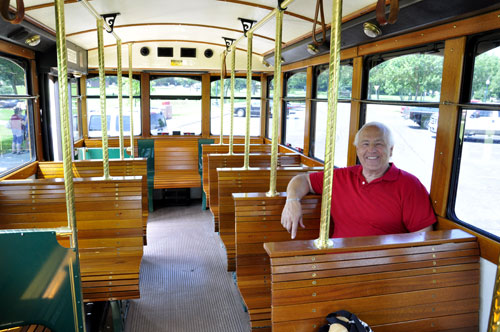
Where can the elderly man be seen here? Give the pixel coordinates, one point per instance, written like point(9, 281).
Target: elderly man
point(373, 198)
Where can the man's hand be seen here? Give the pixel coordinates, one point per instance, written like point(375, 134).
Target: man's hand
point(291, 217)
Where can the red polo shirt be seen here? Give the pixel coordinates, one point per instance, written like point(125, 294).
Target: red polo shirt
point(395, 203)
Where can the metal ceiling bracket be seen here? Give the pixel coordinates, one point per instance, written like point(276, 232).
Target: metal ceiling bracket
point(110, 20)
point(247, 24)
point(229, 42)
point(279, 5)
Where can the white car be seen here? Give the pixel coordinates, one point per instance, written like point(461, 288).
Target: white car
point(482, 123)
point(158, 124)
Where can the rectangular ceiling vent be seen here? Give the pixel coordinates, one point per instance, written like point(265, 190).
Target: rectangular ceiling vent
point(165, 52)
point(187, 52)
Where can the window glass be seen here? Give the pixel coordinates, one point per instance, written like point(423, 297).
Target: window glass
point(75, 110)
point(345, 83)
point(112, 116)
point(269, 105)
point(416, 78)
point(112, 86)
point(112, 107)
point(240, 108)
point(413, 77)
point(175, 106)
point(486, 80)
point(478, 189)
point(295, 107)
point(16, 129)
point(341, 136)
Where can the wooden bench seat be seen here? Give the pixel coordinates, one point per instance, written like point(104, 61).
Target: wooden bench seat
point(109, 222)
point(258, 220)
point(222, 149)
point(402, 282)
point(216, 161)
point(241, 181)
point(94, 168)
point(176, 163)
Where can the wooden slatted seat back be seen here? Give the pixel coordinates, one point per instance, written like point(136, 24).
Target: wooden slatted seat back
point(403, 282)
point(216, 161)
point(221, 149)
point(109, 222)
point(176, 163)
point(94, 168)
point(246, 181)
point(258, 220)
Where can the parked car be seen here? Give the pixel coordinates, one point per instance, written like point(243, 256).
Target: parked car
point(240, 109)
point(482, 123)
point(433, 123)
point(419, 115)
point(158, 124)
point(8, 103)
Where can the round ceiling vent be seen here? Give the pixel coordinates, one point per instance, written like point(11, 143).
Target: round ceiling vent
point(144, 51)
point(208, 53)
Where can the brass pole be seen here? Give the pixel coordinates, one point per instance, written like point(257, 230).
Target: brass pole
point(246, 163)
point(131, 99)
point(221, 141)
point(326, 200)
point(102, 89)
point(62, 70)
point(120, 92)
point(233, 65)
point(494, 321)
point(276, 103)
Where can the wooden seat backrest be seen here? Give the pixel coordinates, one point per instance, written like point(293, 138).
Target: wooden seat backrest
point(216, 161)
point(176, 163)
point(402, 282)
point(109, 222)
point(242, 181)
point(94, 168)
point(221, 149)
point(258, 220)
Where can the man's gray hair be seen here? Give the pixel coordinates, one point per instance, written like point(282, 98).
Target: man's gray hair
point(383, 128)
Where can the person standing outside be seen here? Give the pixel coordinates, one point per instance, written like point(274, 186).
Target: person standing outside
point(374, 198)
point(16, 124)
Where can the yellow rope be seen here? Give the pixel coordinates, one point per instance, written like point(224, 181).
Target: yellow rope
point(102, 89)
point(62, 69)
point(221, 141)
point(233, 65)
point(326, 200)
point(246, 163)
point(276, 103)
point(120, 92)
point(131, 99)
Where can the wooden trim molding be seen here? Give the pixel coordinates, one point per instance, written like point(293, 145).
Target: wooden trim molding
point(263, 104)
point(205, 106)
point(36, 112)
point(146, 127)
point(447, 123)
point(308, 110)
point(357, 78)
point(13, 49)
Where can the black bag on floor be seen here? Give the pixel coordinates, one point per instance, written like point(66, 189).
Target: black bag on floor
point(344, 321)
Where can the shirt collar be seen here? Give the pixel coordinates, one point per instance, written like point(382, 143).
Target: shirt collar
point(391, 174)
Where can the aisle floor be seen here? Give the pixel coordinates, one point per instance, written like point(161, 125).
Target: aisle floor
point(184, 283)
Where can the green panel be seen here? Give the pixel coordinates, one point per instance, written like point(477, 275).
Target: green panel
point(146, 149)
point(35, 282)
point(96, 153)
point(200, 169)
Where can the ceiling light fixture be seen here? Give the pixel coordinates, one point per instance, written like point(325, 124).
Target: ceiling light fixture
point(33, 40)
point(371, 30)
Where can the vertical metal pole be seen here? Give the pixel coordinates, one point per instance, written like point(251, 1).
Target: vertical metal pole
point(276, 103)
point(120, 91)
point(233, 66)
point(246, 163)
point(326, 200)
point(102, 89)
point(494, 321)
point(221, 141)
point(62, 69)
point(131, 99)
